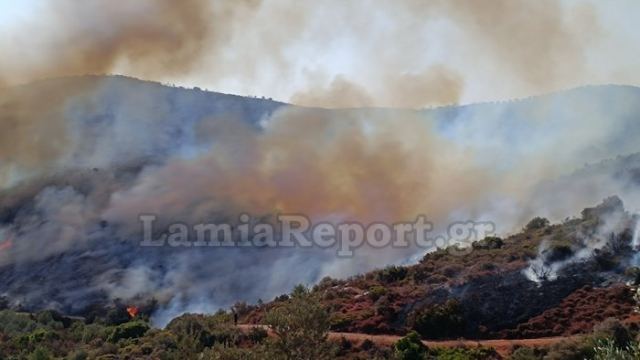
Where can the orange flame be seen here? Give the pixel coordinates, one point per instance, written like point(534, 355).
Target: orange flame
point(133, 311)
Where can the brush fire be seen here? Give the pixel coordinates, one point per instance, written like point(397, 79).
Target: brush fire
point(133, 311)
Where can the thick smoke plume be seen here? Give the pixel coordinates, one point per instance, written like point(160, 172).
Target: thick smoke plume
point(71, 215)
point(329, 54)
point(82, 157)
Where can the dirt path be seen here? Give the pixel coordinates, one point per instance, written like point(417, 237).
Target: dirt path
point(503, 347)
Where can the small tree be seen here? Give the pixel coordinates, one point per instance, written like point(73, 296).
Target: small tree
point(301, 325)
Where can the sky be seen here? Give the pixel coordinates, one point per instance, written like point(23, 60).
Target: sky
point(404, 53)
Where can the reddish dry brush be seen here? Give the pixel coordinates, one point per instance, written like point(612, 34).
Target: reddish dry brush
point(578, 313)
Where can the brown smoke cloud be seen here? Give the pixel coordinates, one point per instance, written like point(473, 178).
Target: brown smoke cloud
point(33, 128)
point(358, 165)
point(538, 45)
point(438, 85)
point(539, 42)
point(533, 45)
point(153, 37)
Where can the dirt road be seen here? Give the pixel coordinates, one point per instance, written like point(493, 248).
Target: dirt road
point(503, 347)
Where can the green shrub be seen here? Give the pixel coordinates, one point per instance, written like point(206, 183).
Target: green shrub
point(489, 243)
point(94, 331)
point(79, 355)
point(191, 331)
point(537, 223)
point(234, 353)
point(40, 354)
point(392, 274)
point(526, 353)
point(461, 353)
point(607, 350)
point(117, 316)
point(41, 335)
point(301, 326)
point(376, 292)
point(410, 347)
point(440, 321)
point(614, 330)
point(130, 330)
point(13, 323)
point(50, 319)
point(339, 321)
point(571, 350)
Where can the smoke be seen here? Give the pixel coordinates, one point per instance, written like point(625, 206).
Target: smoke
point(540, 43)
point(437, 85)
point(82, 157)
point(152, 37)
point(407, 54)
point(190, 156)
point(365, 165)
point(600, 229)
point(33, 131)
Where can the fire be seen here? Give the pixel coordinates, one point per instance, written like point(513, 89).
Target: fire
point(133, 311)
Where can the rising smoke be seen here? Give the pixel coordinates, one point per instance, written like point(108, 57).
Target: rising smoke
point(190, 156)
point(82, 157)
point(383, 53)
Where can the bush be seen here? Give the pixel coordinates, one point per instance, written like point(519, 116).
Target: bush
point(130, 330)
point(340, 321)
point(301, 325)
point(440, 321)
point(79, 355)
point(257, 335)
point(392, 274)
point(234, 353)
point(607, 350)
point(117, 316)
point(461, 353)
point(42, 335)
point(526, 353)
point(376, 292)
point(191, 331)
point(571, 350)
point(51, 319)
point(12, 323)
point(558, 252)
point(489, 243)
point(614, 330)
point(39, 354)
point(537, 223)
point(94, 331)
point(410, 347)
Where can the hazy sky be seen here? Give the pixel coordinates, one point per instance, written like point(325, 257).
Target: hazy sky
point(331, 53)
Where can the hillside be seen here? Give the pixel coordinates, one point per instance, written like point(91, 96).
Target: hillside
point(102, 151)
point(116, 137)
point(488, 292)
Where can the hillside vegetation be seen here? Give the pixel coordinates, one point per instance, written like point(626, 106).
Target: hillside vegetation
point(483, 294)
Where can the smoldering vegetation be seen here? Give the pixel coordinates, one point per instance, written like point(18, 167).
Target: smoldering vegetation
point(117, 147)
